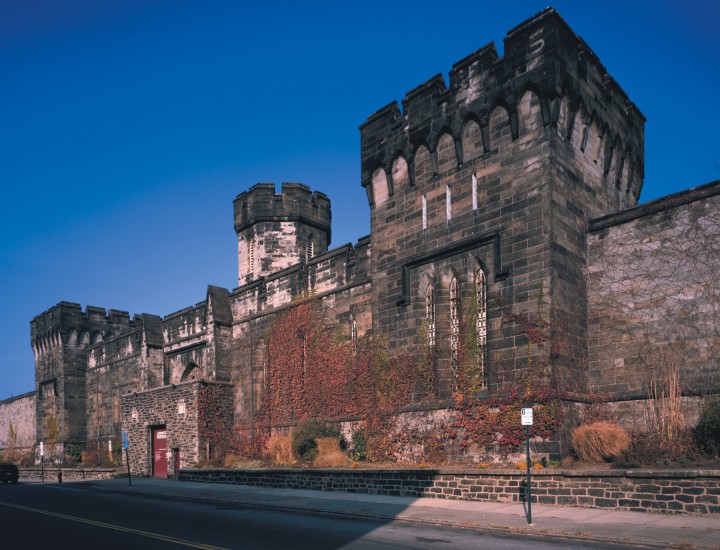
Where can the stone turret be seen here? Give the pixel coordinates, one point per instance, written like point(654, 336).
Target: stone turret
point(278, 231)
point(60, 338)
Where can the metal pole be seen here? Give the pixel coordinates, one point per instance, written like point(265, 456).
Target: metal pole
point(42, 468)
point(527, 454)
point(127, 461)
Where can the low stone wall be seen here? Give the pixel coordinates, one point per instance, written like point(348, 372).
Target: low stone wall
point(68, 474)
point(671, 491)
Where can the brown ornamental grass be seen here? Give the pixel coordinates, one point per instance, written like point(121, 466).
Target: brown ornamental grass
point(329, 453)
point(600, 441)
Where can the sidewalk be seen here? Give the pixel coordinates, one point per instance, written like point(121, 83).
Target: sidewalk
point(612, 526)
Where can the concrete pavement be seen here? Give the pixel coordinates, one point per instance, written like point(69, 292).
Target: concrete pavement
point(610, 526)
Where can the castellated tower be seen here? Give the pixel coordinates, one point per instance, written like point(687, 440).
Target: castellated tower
point(278, 231)
point(61, 338)
point(485, 187)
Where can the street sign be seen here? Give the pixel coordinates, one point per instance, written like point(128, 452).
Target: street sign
point(126, 443)
point(526, 417)
point(42, 449)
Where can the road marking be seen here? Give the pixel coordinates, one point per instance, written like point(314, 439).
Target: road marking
point(115, 527)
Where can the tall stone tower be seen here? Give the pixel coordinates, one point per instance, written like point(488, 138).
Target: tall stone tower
point(61, 338)
point(489, 182)
point(278, 231)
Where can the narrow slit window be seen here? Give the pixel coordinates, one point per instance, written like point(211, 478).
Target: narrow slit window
point(430, 316)
point(474, 192)
point(354, 336)
point(448, 203)
point(481, 326)
point(310, 248)
point(455, 325)
point(424, 212)
point(251, 256)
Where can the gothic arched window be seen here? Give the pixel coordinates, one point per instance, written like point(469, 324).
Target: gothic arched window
point(481, 325)
point(454, 324)
point(430, 315)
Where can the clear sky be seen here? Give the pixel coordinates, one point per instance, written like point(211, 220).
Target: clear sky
point(127, 127)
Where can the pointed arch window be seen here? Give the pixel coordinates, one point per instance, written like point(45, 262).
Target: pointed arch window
point(430, 315)
point(455, 325)
point(481, 325)
point(192, 372)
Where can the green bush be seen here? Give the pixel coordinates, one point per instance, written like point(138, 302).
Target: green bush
point(707, 431)
point(304, 436)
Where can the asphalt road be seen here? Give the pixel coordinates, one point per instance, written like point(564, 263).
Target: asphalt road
point(79, 515)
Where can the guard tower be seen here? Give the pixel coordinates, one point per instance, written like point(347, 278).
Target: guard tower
point(278, 231)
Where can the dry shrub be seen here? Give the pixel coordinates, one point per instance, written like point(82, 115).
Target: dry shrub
point(600, 441)
point(329, 452)
point(278, 449)
point(232, 460)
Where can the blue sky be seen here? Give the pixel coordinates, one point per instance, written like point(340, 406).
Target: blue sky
point(127, 127)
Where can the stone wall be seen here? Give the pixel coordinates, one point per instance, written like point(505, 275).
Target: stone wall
point(696, 491)
point(117, 366)
point(50, 474)
point(20, 411)
point(654, 297)
point(339, 277)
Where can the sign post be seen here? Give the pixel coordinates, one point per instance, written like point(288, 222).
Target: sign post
point(526, 418)
point(126, 446)
point(42, 461)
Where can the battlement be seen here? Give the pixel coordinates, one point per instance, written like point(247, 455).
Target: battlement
point(278, 230)
point(542, 56)
point(68, 323)
point(295, 203)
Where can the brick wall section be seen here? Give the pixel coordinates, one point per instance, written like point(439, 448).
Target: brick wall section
point(693, 491)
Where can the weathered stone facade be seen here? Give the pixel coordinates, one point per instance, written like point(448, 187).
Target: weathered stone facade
point(517, 181)
point(175, 409)
point(654, 295)
point(18, 412)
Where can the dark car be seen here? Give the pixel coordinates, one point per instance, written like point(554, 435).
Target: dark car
point(9, 472)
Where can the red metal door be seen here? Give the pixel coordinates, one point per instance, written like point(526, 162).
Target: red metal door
point(159, 444)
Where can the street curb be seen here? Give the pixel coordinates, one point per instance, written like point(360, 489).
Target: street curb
point(525, 531)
